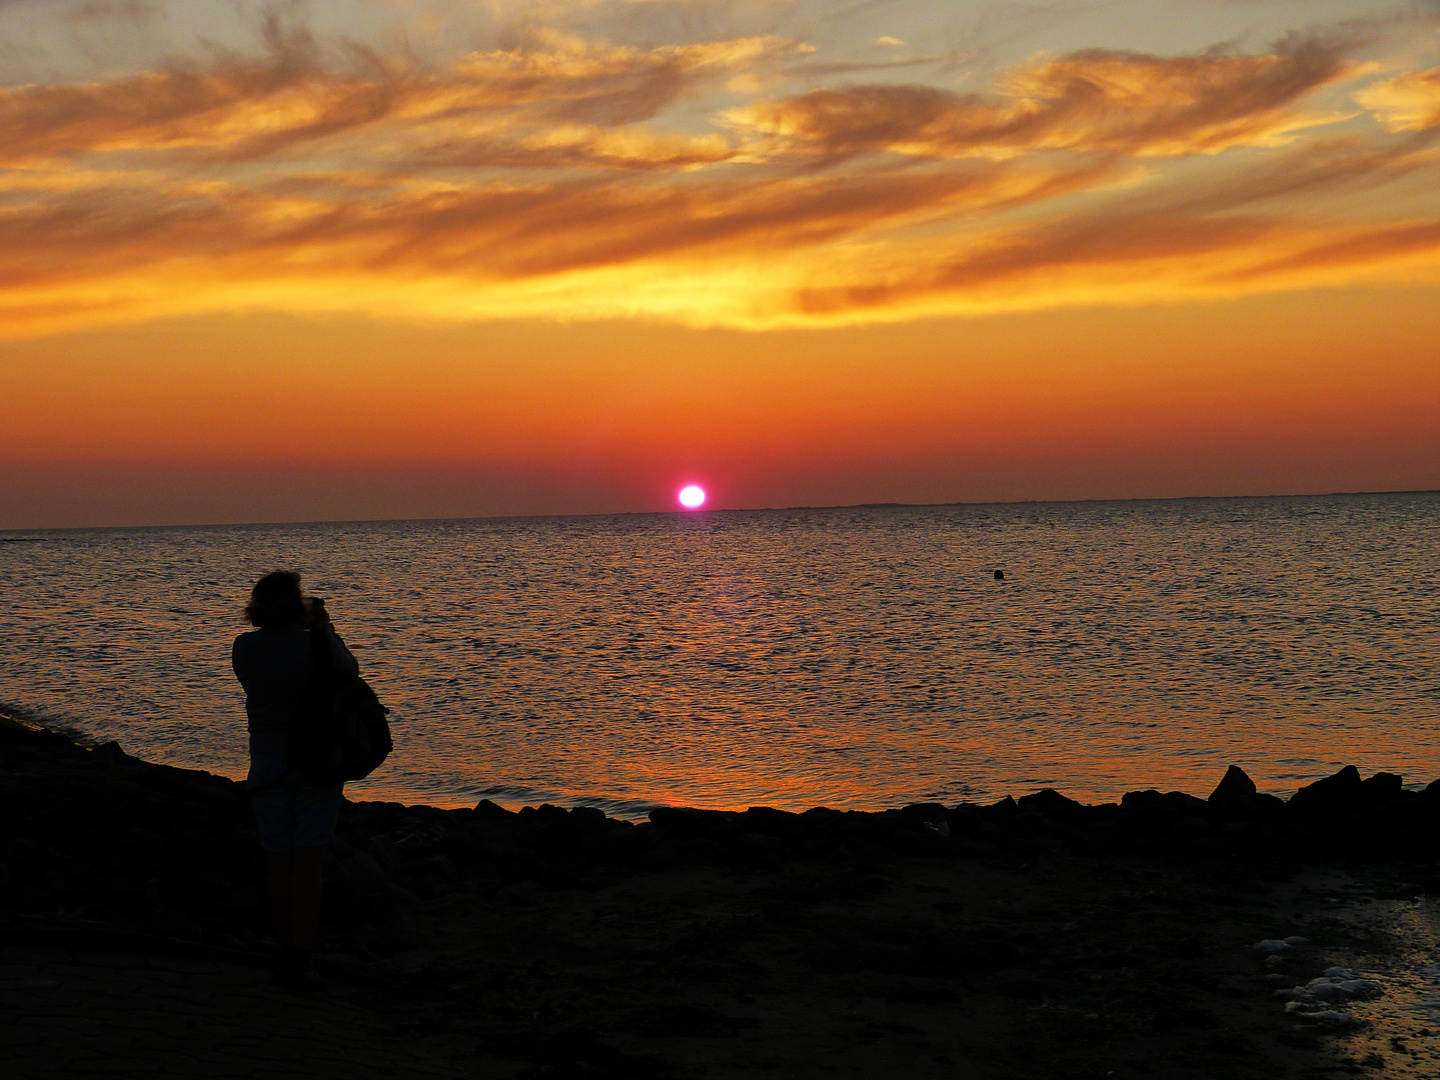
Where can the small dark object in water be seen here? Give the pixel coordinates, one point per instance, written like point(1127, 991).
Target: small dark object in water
point(999, 575)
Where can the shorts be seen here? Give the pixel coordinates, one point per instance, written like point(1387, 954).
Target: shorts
point(290, 812)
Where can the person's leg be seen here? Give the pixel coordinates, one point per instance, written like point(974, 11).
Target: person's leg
point(280, 891)
point(295, 894)
point(315, 811)
point(306, 892)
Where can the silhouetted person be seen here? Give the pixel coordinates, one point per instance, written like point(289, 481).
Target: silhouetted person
point(296, 818)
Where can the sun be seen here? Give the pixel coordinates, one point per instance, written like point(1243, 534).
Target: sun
point(692, 497)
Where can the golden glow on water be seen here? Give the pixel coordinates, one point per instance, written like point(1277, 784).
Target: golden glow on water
point(855, 658)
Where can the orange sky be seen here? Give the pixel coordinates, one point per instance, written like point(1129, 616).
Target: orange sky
point(331, 266)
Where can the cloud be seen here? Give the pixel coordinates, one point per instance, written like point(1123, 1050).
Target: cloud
point(1094, 100)
point(1133, 258)
point(289, 102)
point(560, 177)
point(482, 232)
point(561, 146)
point(753, 253)
point(99, 10)
point(1410, 102)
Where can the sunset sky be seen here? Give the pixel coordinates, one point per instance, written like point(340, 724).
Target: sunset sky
point(402, 258)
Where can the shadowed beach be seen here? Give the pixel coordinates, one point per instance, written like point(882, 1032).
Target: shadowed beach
point(1239, 936)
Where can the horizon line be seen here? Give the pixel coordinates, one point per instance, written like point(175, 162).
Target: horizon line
point(717, 510)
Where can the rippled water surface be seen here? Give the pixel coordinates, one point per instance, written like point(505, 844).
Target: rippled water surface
point(852, 657)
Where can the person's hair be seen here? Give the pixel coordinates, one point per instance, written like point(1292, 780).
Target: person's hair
point(276, 600)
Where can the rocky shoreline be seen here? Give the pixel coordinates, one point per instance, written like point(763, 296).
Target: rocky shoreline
point(1032, 937)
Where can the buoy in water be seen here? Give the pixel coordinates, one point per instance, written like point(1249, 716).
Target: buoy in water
point(999, 575)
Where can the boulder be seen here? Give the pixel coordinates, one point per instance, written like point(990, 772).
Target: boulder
point(590, 818)
point(1049, 803)
point(1337, 794)
point(1234, 787)
point(1382, 788)
point(924, 811)
point(1005, 808)
point(1156, 813)
point(690, 824)
point(963, 819)
point(767, 821)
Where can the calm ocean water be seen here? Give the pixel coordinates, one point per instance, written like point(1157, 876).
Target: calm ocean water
point(856, 658)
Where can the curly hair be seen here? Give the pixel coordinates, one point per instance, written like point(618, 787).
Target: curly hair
point(276, 601)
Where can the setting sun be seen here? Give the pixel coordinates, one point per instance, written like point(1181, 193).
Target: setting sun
point(692, 497)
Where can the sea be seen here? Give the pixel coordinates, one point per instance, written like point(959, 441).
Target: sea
point(856, 657)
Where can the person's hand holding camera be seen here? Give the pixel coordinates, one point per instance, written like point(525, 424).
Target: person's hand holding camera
point(316, 615)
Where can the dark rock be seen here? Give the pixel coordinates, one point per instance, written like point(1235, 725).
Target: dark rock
point(767, 821)
point(1151, 811)
point(1266, 806)
point(486, 809)
point(963, 820)
point(1049, 803)
point(690, 824)
point(1382, 788)
point(590, 818)
point(822, 822)
point(1161, 804)
point(758, 850)
point(1149, 801)
point(1337, 794)
point(1183, 803)
point(1393, 821)
point(1234, 787)
point(1005, 808)
point(928, 811)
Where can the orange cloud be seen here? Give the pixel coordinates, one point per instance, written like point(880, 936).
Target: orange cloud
point(1122, 259)
point(226, 241)
point(542, 181)
point(1408, 103)
point(289, 102)
point(1095, 100)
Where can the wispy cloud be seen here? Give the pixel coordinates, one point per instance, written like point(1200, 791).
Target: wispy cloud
point(290, 102)
point(563, 177)
point(1091, 100)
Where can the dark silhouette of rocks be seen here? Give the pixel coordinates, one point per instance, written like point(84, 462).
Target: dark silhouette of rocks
point(910, 904)
point(1235, 787)
point(100, 827)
